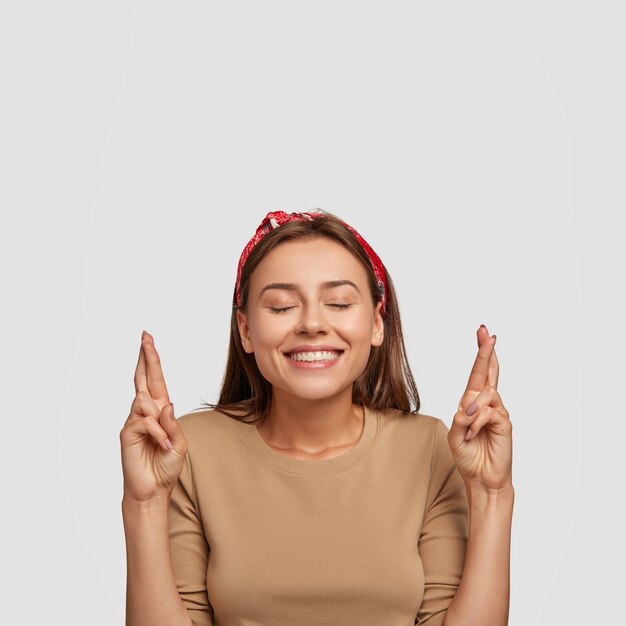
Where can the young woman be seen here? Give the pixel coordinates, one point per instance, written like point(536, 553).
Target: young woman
point(314, 492)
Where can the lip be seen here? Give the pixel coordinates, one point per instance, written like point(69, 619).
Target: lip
point(314, 365)
point(317, 348)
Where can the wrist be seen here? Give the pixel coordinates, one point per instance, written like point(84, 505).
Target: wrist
point(476, 489)
point(157, 503)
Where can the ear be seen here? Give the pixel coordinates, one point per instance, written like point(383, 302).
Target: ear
point(378, 333)
point(244, 331)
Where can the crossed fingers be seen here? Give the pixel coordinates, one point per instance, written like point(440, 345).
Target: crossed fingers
point(149, 374)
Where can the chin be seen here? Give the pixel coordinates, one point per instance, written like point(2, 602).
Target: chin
point(310, 392)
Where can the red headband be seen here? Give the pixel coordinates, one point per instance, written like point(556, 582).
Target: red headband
point(274, 219)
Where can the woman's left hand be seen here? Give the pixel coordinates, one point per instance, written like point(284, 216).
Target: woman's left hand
point(485, 459)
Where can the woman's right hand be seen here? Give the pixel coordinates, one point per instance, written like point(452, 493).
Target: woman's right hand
point(150, 467)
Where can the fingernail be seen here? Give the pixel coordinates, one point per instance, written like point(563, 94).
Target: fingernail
point(472, 408)
point(468, 435)
point(168, 444)
point(482, 326)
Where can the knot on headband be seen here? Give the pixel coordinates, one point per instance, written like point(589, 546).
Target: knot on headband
point(275, 219)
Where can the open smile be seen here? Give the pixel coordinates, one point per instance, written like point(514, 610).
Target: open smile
point(314, 360)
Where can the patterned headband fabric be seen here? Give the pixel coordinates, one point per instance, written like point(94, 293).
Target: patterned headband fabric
point(274, 219)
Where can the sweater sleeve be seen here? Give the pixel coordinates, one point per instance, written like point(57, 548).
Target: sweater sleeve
point(443, 539)
point(189, 549)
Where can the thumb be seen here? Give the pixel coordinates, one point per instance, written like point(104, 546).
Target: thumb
point(460, 427)
point(171, 426)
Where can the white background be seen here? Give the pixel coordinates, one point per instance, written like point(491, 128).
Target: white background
point(478, 147)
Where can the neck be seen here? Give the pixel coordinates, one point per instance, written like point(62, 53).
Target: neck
point(312, 426)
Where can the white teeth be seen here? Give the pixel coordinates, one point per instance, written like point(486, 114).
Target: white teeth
point(314, 356)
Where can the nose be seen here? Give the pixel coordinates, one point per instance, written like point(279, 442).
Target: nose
point(312, 320)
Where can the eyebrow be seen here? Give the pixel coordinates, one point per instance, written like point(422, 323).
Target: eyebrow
point(329, 284)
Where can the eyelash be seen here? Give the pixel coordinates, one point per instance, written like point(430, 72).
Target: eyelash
point(339, 306)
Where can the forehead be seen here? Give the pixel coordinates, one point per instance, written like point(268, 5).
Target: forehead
point(307, 261)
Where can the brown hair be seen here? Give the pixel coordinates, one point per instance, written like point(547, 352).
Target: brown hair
point(386, 382)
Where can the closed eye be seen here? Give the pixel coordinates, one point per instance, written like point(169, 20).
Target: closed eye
point(282, 310)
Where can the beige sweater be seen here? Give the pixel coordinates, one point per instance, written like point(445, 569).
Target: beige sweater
point(374, 537)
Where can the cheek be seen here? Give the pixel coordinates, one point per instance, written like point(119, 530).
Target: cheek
point(269, 331)
point(356, 330)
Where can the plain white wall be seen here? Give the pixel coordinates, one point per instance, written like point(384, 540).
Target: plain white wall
point(478, 147)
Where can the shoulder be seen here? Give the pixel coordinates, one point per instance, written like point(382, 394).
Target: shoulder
point(417, 424)
point(207, 427)
point(415, 435)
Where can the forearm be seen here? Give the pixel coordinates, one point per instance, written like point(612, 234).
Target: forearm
point(482, 598)
point(152, 598)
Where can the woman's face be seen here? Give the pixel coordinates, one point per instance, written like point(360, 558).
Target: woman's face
point(291, 308)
